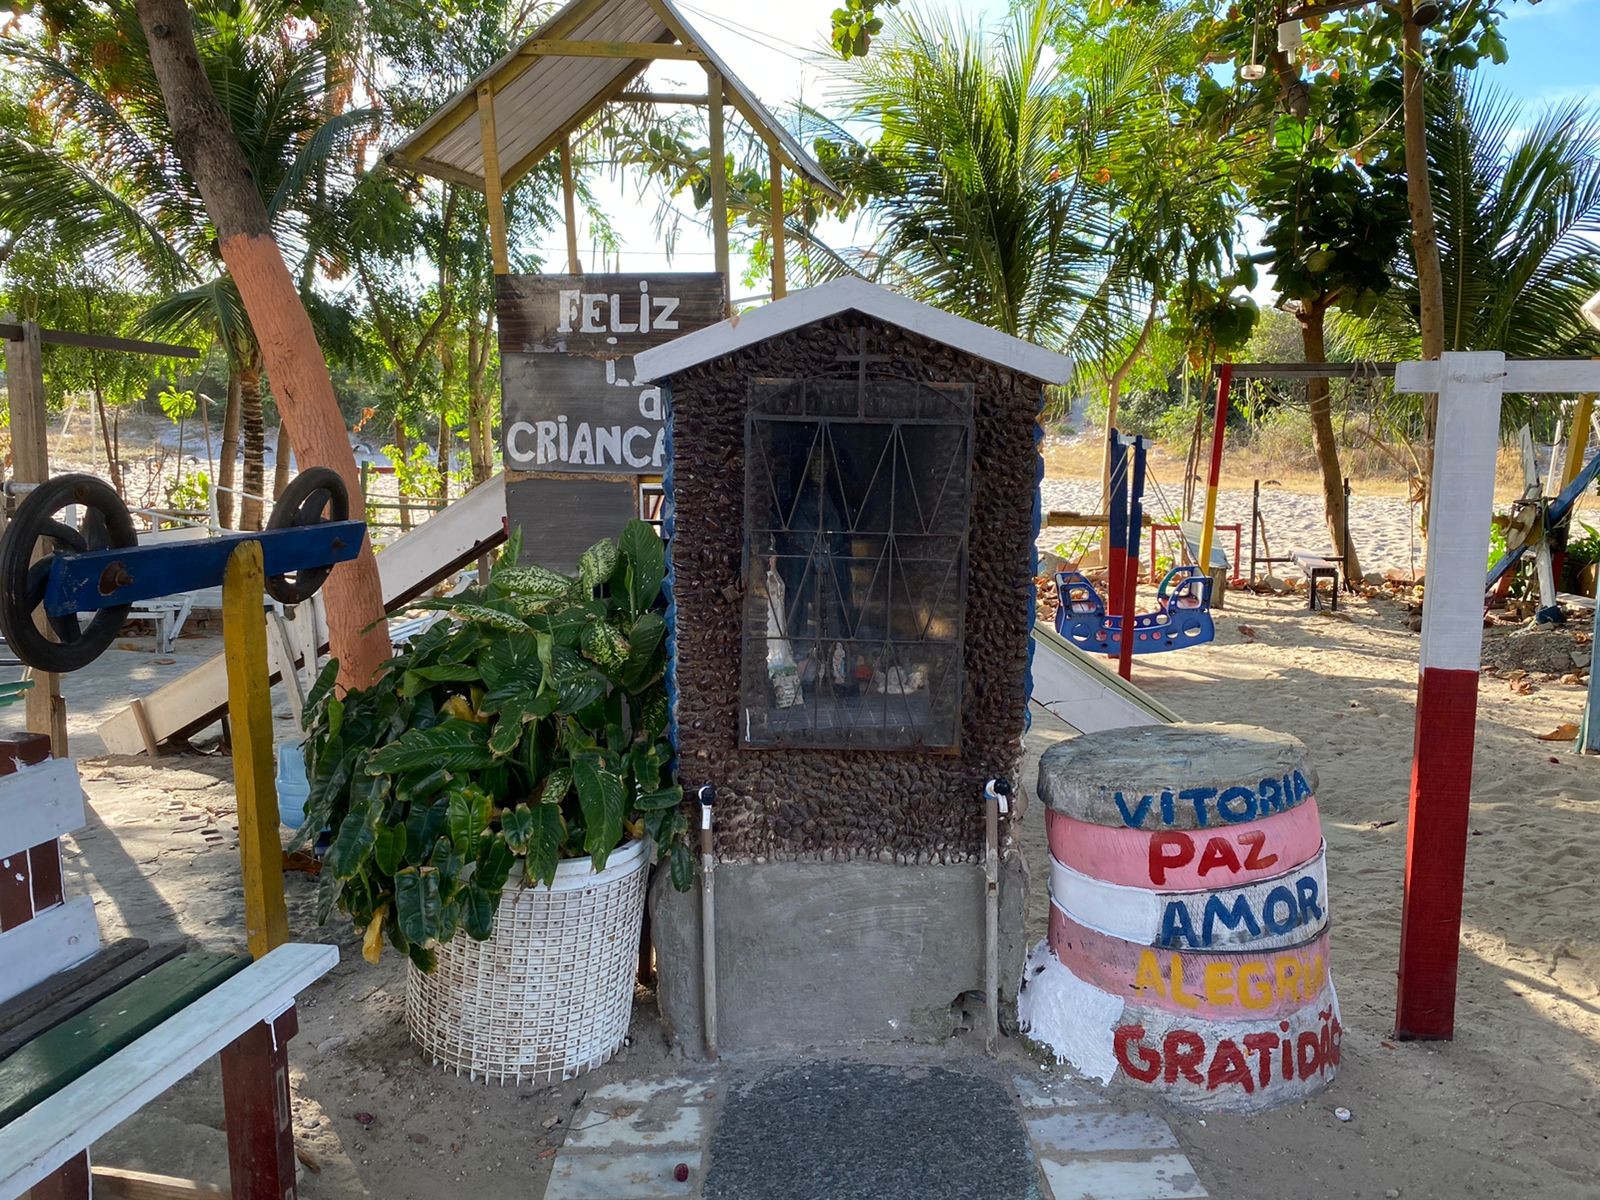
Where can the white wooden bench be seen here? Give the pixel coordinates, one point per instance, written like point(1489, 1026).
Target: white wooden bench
point(87, 1037)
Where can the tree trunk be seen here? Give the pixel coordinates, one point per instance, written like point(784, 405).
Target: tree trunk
point(228, 450)
point(1424, 230)
point(1323, 438)
point(442, 454)
point(255, 445)
point(403, 444)
point(1114, 398)
point(478, 417)
point(113, 467)
point(210, 153)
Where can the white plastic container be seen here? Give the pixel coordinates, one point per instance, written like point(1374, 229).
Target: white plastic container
point(293, 786)
point(549, 995)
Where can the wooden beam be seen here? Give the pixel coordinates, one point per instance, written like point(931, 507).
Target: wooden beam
point(780, 280)
point(529, 160)
point(569, 207)
point(436, 169)
point(99, 341)
point(114, 1183)
point(30, 463)
point(492, 186)
point(663, 98)
point(719, 183)
point(244, 645)
point(561, 48)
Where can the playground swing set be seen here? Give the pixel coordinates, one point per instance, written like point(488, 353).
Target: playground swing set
point(1182, 616)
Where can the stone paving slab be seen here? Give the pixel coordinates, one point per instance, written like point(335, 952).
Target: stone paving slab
point(1094, 1130)
point(1165, 1177)
point(636, 1129)
point(647, 1175)
point(835, 1130)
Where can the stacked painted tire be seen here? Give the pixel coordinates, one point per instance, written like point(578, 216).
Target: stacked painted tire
point(1188, 946)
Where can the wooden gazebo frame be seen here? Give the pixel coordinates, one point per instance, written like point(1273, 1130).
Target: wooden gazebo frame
point(530, 103)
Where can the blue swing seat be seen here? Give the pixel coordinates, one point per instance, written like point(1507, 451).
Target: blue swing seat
point(1181, 619)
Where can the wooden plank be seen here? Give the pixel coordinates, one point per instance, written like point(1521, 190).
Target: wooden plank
point(1084, 692)
point(493, 183)
point(16, 891)
point(69, 1182)
point(54, 940)
point(99, 341)
point(54, 1059)
point(780, 275)
point(560, 518)
point(244, 646)
point(569, 403)
point(561, 48)
point(717, 120)
point(408, 567)
point(569, 207)
point(1465, 447)
point(600, 314)
point(54, 1130)
point(114, 1183)
point(30, 463)
point(41, 996)
point(70, 1001)
point(255, 1102)
point(38, 804)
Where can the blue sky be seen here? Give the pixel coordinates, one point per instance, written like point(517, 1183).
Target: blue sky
point(778, 50)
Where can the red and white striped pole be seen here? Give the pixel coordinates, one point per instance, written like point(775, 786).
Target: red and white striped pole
point(1467, 437)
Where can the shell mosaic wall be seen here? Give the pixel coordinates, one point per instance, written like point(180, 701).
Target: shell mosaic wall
point(913, 805)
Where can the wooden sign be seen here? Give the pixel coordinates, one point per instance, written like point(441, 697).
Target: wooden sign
point(569, 400)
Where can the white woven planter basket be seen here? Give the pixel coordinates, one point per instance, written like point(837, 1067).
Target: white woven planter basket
point(550, 993)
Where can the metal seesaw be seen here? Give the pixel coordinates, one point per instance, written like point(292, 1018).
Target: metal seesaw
point(67, 583)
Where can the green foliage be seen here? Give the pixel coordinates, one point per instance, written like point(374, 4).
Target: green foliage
point(191, 491)
point(176, 404)
point(855, 25)
point(528, 725)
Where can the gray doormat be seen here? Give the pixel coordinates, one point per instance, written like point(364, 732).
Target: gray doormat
point(857, 1131)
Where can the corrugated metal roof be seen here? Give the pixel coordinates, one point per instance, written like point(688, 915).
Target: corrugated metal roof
point(536, 97)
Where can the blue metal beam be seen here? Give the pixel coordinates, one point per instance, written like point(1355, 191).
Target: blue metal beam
point(1557, 512)
point(109, 578)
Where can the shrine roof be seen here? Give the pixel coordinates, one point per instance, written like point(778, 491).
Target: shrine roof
point(850, 294)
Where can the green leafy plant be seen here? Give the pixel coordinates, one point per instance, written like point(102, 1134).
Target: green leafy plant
point(529, 725)
point(1582, 551)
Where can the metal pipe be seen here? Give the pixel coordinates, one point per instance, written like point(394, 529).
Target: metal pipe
point(996, 800)
point(708, 926)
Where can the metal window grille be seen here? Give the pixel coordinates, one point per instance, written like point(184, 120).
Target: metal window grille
point(857, 492)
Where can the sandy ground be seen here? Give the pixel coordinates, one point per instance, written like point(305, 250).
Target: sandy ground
point(1510, 1109)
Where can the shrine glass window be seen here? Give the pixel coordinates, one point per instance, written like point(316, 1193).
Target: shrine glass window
point(857, 492)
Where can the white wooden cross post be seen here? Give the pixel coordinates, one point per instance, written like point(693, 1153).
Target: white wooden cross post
point(1470, 386)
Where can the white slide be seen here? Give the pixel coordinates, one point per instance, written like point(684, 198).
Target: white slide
point(409, 566)
point(1085, 692)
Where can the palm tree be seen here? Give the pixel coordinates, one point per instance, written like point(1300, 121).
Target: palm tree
point(973, 174)
point(107, 149)
point(1518, 209)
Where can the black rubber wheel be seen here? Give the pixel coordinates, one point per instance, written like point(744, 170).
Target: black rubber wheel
point(313, 497)
point(104, 525)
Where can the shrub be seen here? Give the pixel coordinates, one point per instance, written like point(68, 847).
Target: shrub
point(529, 725)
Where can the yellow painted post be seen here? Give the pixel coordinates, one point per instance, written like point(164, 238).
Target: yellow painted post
point(780, 281)
point(719, 183)
point(1577, 441)
point(569, 204)
point(244, 648)
point(493, 191)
